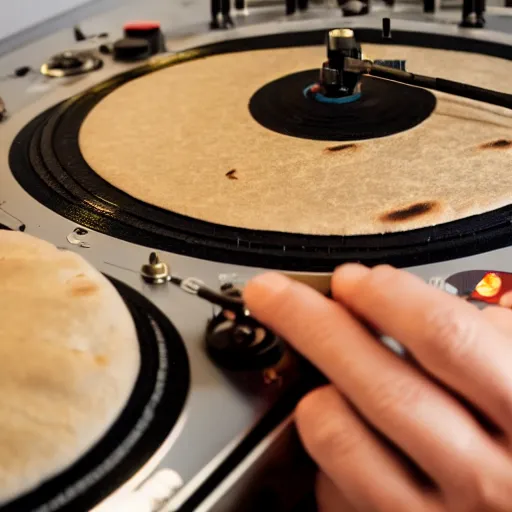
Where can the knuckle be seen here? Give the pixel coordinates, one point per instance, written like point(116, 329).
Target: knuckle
point(451, 337)
point(474, 489)
point(399, 394)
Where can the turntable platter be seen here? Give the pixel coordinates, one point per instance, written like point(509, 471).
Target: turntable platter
point(186, 139)
point(189, 167)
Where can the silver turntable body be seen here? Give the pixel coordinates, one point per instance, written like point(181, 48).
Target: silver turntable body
point(219, 413)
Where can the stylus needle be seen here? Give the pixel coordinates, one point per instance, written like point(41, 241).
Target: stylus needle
point(195, 286)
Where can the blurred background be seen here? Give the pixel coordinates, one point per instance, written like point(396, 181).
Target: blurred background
point(20, 20)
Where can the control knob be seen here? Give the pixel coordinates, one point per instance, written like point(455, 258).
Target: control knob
point(237, 341)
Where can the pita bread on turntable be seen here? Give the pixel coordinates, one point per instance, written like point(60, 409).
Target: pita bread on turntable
point(69, 358)
point(183, 139)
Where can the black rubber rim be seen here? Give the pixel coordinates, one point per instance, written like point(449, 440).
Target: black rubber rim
point(147, 420)
point(46, 161)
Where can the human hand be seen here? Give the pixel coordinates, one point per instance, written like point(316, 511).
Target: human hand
point(378, 402)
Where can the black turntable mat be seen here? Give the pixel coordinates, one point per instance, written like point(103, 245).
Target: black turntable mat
point(385, 108)
point(47, 161)
point(145, 423)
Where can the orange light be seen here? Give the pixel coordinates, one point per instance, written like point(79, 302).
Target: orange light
point(489, 286)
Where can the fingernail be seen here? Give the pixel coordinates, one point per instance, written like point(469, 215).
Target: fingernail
point(353, 271)
point(270, 282)
point(350, 274)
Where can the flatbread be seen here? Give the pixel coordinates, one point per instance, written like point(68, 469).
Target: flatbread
point(69, 358)
point(172, 138)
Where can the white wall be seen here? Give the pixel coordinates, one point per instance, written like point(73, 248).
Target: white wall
point(16, 15)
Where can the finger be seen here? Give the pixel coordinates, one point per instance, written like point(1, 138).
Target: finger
point(329, 497)
point(447, 336)
point(499, 317)
point(506, 300)
point(349, 453)
point(408, 408)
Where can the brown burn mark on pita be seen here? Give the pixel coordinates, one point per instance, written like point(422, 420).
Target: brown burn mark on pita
point(80, 286)
point(101, 360)
point(341, 148)
point(497, 144)
point(231, 175)
point(410, 212)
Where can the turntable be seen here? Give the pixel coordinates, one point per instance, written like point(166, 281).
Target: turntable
point(194, 171)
